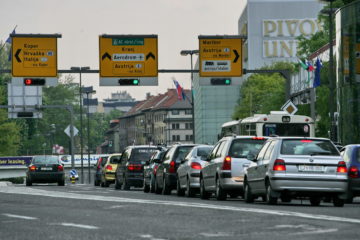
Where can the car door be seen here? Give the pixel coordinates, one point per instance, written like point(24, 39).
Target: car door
point(263, 167)
point(253, 177)
point(216, 165)
point(206, 171)
point(184, 168)
point(162, 166)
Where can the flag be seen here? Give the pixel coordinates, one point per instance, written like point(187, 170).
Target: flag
point(317, 73)
point(180, 91)
point(9, 40)
point(302, 64)
point(310, 66)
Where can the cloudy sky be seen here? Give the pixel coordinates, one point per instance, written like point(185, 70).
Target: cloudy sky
point(178, 23)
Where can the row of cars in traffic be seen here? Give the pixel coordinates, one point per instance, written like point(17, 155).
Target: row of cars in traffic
point(272, 168)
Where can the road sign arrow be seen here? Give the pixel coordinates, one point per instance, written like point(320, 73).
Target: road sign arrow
point(106, 55)
point(17, 55)
point(150, 55)
point(236, 56)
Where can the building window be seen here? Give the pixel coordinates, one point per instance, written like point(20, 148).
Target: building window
point(175, 112)
point(188, 125)
point(175, 126)
point(176, 137)
point(188, 112)
point(189, 137)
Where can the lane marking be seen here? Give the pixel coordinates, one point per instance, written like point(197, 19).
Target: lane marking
point(55, 194)
point(19, 216)
point(76, 225)
point(306, 229)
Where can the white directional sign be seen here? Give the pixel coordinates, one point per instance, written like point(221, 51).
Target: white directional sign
point(67, 131)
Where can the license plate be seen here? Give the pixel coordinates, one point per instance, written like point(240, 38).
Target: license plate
point(46, 168)
point(311, 168)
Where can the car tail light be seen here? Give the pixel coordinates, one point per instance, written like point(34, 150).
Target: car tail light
point(306, 141)
point(195, 165)
point(109, 167)
point(155, 169)
point(279, 165)
point(353, 172)
point(172, 167)
point(134, 167)
point(341, 168)
point(258, 138)
point(32, 168)
point(60, 168)
point(227, 163)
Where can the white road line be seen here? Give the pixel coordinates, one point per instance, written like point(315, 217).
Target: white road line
point(19, 216)
point(78, 225)
point(55, 194)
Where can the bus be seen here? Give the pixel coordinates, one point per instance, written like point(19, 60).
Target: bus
point(277, 123)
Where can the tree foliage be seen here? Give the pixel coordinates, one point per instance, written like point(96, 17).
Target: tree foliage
point(262, 93)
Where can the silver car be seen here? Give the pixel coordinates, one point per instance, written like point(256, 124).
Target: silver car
point(188, 173)
point(290, 167)
point(224, 170)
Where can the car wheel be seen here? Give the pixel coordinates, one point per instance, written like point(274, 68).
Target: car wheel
point(180, 192)
point(338, 202)
point(249, 198)
point(117, 185)
point(220, 192)
point(285, 199)
point(166, 189)
point(126, 185)
point(146, 187)
point(61, 183)
point(157, 188)
point(190, 192)
point(106, 184)
point(203, 193)
point(350, 200)
point(270, 199)
point(28, 182)
point(315, 201)
point(152, 184)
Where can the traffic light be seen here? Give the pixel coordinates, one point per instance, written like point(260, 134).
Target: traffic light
point(129, 82)
point(34, 81)
point(220, 81)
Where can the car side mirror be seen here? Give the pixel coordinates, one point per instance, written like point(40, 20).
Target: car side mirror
point(251, 157)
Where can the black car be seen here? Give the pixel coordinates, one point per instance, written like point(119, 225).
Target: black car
point(166, 179)
point(98, 167)
point(130, 170)
point(45, 169)
point(150, 169)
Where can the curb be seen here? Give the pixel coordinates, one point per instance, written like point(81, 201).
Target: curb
point(5, 184)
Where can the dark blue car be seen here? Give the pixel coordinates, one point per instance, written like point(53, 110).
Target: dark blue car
point(351, 155)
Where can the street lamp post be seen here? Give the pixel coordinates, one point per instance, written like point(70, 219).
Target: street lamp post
point(80, 70)
point(88, 128)
point(185, 53)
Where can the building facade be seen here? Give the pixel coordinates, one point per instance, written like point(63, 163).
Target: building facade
point(161, 119)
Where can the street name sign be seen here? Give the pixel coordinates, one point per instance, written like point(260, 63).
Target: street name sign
point(34, 55)
point(128, 57)
point(220, 56)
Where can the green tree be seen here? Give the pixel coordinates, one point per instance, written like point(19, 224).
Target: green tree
point(262, 93)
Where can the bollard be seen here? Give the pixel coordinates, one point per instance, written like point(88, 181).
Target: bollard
point(72, 178)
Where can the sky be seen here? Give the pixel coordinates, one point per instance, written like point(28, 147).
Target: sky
point(178, 23)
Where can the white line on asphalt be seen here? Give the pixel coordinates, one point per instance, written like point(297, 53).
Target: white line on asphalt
point(55, 194)
point(77, 225)
point(19, 216)
point(306, 229)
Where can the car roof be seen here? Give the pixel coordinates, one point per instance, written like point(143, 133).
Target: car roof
point(244, 137)
point(307, 138)
point(142, 146)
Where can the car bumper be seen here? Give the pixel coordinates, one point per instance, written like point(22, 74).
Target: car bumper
point(298, 184)
point(171, 180)
point(354, 185)
point(42, 177)
point(109, 176)
point(135, 179)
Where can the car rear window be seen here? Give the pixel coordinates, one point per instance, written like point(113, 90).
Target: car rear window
point(114, 159)
point(241, 148)
point(181, 152)
point(204, 151)
point(45, 160)
point(308, 147)
point(141, 154)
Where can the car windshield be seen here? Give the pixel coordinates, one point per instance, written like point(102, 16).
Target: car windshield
point(141, 154)
point(45, 160)
point(308, 147)
point(241, 148)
